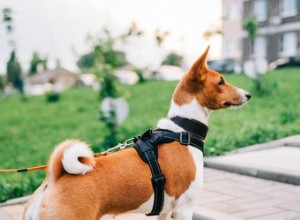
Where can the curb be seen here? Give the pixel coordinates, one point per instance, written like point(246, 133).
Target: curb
point(20, 200)
point(293, 141)
point(258, 172)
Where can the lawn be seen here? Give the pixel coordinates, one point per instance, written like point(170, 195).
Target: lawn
point(30, 129)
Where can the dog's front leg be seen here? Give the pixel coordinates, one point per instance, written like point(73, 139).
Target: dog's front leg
point(164, 216)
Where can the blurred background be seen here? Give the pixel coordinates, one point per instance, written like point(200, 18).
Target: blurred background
point(104, 70)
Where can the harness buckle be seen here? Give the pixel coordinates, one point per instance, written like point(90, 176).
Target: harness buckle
point(185, 138)
point(158, 179)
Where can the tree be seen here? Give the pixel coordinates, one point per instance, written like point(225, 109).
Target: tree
point(109, 89)
point(103, 53)
point(173, 59)
point(13, 67)
point(2, 84)
point(251, 25)
point(14, 72)
point(35, 62)
point(102, 60)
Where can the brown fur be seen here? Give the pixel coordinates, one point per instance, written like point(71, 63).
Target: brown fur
point(202, 84)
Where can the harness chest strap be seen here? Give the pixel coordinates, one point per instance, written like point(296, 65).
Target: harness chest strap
point(147, 147)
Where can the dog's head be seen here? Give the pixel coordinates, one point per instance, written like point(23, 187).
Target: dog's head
point(208, 87)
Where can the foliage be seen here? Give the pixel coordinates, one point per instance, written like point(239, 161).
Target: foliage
point(109, 83)
point(52, 97)
point(2, 83)
point(7, 19)
point(133, 30)
point(211, 32)
point(160, 36)
point(14, 72)
point(30, 130)
point(173, 59)
point(35, 62)
point(102, 56)
point(251, 26)
point(109, 89)
point(102, 60)
point(139, 72)
point(103, 53)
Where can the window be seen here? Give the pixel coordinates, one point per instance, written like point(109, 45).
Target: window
point(260, 47)
point(288, 8)
point(260, 10)
point(288, 44)
point(226, 12)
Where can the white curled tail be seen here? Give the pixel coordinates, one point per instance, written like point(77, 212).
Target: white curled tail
point(71, 156)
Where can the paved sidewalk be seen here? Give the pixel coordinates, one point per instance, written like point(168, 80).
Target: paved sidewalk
point(229, 196)
point(226, 196)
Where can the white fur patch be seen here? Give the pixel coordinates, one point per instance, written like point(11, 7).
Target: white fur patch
point(70, 159)
point(183, 206)
point(243, 98)
point(191, 110)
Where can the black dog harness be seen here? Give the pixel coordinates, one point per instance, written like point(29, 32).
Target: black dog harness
point(147, 147)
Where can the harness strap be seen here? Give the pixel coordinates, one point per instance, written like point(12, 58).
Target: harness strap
point(184, 138)
point(158, 183)
point(147, 147)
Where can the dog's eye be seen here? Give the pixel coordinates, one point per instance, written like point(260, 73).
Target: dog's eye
point(221, 82)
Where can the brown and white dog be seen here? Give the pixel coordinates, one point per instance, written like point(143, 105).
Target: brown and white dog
point(79, 186)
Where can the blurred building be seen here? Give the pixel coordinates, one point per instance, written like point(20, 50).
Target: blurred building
point(57, 80)
point(278, 33)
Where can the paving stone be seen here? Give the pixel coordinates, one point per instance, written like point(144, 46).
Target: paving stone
point(218, 184)
point(274, 187)
point(3, 215)
point(262, 203)
point(253, 198)
point(225, 207)
point(208, 194)
point(285, 195)
point(258, 212)
point(14, 211)
point(279, 216)
point(292, 205)
point(202, 213)
point(214, 199)
point(294, 189)
point(234, 192)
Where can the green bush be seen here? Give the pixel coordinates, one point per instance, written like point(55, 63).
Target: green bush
point(53, 97)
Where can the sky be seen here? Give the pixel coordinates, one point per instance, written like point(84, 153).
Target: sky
point(58, 29)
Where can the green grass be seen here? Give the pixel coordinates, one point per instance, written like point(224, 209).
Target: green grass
point(30, 129)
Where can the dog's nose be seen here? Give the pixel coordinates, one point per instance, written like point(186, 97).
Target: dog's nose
point(248, 95)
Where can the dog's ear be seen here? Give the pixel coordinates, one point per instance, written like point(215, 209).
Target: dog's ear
point(199, 68)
